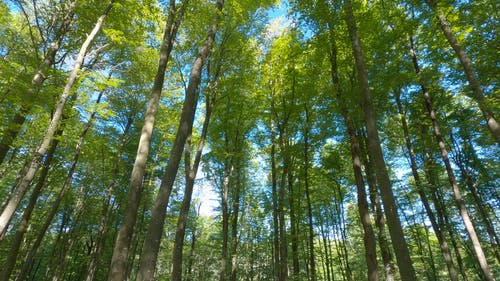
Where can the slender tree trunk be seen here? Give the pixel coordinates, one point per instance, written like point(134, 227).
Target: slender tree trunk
point(23, 226)
point(423, 197)
point(100, 237)
point(403, 259)
point(234, 226)
point(312, 258)
point(480, 204)
point(228, 171)
point(282, 222)
point(189, 269)
point(155, 230)
point(478, 250)
point(60, 195)
point(294, 236)
point(28, 176)
point(188, 192)
point(477, 92)
point(276, 248)
point(363, 209)
point(379, 221)
point(441, 212)
point(117, 271)
point(15, 125)
point(326, 252)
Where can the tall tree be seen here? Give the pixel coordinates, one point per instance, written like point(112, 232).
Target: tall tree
point(155, 230)
point(465, 61)
point(375, 151)
point(122, 245)
point(28, 175)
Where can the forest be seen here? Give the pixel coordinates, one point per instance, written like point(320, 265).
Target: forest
point(298, 140)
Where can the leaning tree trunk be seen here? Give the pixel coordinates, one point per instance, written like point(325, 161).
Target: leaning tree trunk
point(60, 196)
point(445, 250)
point(23, 226)
point(118, 268)
point(15, 125)
point(191, 171)
point(363, 209)
point(477, 92)
point(403, 259)
point(464, 214)
point(155, 230)
point(28, 176)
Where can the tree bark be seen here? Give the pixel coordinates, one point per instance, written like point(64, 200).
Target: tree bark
point(228, 171)
point(117, 271)
point(15, 125)
point(100, 237)
point(403, 259)
point(155, 230)
point(28, 176)
point(23, 226)
point(312, 258)
point(423, 197)
point(363, 209)
point(464, 214)
point(191, 171)
point(477, 92)
point(274, 190)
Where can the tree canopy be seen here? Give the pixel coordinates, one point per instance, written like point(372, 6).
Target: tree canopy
point(249, 140)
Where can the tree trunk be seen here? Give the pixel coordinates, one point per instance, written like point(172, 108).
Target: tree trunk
point(477, 92)
point(379, 219)
point(478, 250)
point(480, 204)
point(100, 237)
point(363, 209)
point(234, 222)
point(312, 258)
point(28, 176)
point(274, 189)
point(228, 171)
point(155, 230)
point(188, 192)
point(15, 125)
point(117, 271)
point(62, 192)
point(281, 219)
point(23, 226)
point(423, 197)
point(375, 151)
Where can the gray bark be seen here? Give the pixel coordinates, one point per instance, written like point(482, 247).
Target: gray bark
point(118, 267)
point(155, 230)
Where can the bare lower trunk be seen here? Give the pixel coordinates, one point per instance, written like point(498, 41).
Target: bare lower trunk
point(117, 271)
point(191, 171)
point(276, 247)
point(385, 252)
point(477, 92)
point(228, 170)
point(423, 197)
point(23, 226)
point(478, 250)
point(155, 230)
point(363, 209)
point(403, 259)
point(28, 176)
point(62, 192)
